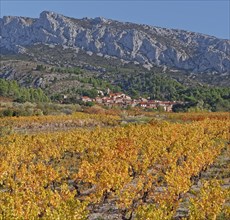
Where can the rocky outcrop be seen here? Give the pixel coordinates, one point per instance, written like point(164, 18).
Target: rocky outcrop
point(144, 44)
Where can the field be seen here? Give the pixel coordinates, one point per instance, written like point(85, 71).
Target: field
point(115, 166)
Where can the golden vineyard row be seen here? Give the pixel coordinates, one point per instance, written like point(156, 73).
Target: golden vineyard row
point(25, 120)
point(145, 170)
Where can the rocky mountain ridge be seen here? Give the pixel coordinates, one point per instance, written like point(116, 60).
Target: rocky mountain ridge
point(142, 44)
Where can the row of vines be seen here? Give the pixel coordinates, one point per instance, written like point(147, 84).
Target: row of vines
point(142, 171)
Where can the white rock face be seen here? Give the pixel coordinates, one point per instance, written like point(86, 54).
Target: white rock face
point(130, 42)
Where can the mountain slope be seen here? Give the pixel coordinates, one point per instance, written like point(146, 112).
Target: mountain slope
point(128, 42)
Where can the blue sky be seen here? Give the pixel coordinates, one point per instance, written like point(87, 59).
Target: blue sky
point(204, 16)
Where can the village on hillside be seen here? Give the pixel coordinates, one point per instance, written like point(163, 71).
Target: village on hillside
point(122, 100)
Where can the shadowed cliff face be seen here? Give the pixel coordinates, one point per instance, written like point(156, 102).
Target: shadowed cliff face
point(143, 44)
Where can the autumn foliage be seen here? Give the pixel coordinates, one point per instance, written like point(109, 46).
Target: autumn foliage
point(145, 169)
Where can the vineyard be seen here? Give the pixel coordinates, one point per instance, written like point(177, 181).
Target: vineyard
point(114, 170)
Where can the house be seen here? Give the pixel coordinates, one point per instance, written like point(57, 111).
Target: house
point(143, 99)
point(107, 100)
point(118, 100)
point(134, 103)
point(166, 105)
point(116, 95)
point(98, 100)
point(86, 99)
point(143, 104)
point(127, 98)
point(152, 104)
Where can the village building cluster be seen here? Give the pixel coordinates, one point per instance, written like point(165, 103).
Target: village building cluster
point(122, 100)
